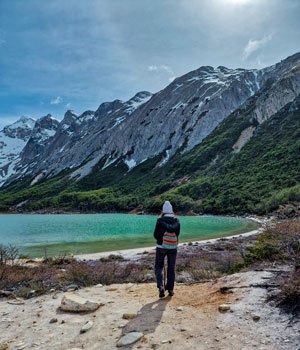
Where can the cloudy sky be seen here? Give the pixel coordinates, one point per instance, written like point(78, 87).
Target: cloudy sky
point(74, 54)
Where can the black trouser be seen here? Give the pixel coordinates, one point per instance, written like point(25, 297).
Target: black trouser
point(159, 265)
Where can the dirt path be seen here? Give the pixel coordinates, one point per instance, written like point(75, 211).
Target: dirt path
point(190, 320)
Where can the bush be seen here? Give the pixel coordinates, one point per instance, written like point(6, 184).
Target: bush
point(8, 253)
point(290, 293)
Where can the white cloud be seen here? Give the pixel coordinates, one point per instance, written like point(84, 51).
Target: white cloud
point(69, 104)
point(253, 45)
point(56, 101)
point(160, 68)
point(2, 41)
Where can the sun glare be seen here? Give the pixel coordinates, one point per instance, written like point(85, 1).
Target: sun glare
point(238, 1)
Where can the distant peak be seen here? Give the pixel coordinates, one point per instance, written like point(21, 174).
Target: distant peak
point(47, 122)
point(24, 118)
point(22, 122)
point(141, 95)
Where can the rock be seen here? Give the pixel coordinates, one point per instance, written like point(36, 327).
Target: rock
point(166, 341)
point(122, 325)
point(71, 287)
point(87, 326)
point(255, 318)
point(99, 285)
point(129, 338)
point(224, 307)
point(21, 346)
point(179, 308)
point(128, 316)
point(16, 301)
point(53, 320)
point(75, 303)
point(6, 293)
point(111, 289)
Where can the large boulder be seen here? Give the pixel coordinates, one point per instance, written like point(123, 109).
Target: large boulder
point(75, 303)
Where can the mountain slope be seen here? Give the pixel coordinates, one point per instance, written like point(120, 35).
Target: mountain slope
point(178, 117)
point(248, 162)
point(13, 139)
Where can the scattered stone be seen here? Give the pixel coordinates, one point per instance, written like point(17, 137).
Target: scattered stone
point(179, 308)
point(130, 338)
point(122, 325)
point(71, 287)
point(53, 320)
point(87, 326)
point(21, 346)
point(17, 301)
point(99, 285)
point(224, 307)
point(166, 341)
point(75, 303)
point(183, 329)
point(255, 318)
point(128, 316)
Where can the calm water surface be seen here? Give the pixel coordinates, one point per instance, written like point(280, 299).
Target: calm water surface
point(90, 233)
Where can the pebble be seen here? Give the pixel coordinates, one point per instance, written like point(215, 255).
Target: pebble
point(53, 320)
point(255, 317)
point(16, 302)
point(87, 326)
point(130, 338)
point(224, 307)
point(122, 325)
point(128, 316)
point(21, 346)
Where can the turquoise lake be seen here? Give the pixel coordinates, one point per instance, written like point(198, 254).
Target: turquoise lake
point(90, 233)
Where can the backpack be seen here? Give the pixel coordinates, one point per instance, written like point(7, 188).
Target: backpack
point(169, 240)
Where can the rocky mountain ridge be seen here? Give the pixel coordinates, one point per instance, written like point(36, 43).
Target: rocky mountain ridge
point(175, 119)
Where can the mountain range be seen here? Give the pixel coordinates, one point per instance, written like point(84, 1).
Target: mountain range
point(215, 140)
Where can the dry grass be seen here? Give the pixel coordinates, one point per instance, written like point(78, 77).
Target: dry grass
point(195, 263)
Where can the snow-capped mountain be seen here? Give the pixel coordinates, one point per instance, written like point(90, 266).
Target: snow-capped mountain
point(13, 139)
point(21, 142)
point(175, 119)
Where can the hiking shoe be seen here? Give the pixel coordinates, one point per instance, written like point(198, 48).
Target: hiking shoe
point(171, 293)
point(161, 293)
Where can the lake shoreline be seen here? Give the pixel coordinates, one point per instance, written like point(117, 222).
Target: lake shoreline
point(89, 247)
point(135, 253)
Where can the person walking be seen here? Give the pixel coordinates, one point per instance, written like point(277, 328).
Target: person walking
point(166, 233)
